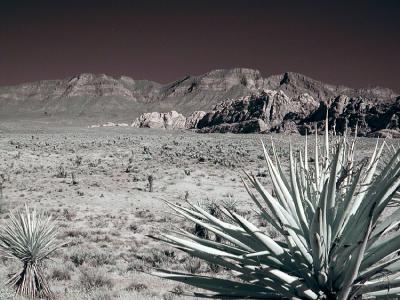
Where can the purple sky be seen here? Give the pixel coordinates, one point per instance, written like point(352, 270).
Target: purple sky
point(355, 44)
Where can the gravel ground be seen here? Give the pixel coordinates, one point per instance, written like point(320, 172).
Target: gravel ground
point(96, 183)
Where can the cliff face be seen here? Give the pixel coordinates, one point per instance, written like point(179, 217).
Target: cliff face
point(276, 112)
point(102, 96)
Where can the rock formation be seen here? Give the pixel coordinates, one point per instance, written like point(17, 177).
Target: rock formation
point(169, 120)
point(274, 111)
point(269, 111)
point(193, 119)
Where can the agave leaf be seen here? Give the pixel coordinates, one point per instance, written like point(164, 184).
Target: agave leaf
point(270, 244)
point(199, 247)
point(224, 287)
point(281, 188)
point(380, 287)
point(377, 269)
point(279, 166)
point(215, 230)
point(316, 159)
point(345, 207)
point(297, 198)
point(381, 250)
point(356, 262)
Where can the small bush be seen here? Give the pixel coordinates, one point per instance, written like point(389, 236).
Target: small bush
point(134, 286)
point(94, 278)
point(192, 265)
point(93, 257)
point(79, 257)
point(61, 273)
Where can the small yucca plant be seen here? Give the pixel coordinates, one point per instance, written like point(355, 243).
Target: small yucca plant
point(335, 243)
point(29, 237)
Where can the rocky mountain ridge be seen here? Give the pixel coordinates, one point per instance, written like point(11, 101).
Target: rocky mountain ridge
point(235, 100)
point(102, 96)
point(274, 111)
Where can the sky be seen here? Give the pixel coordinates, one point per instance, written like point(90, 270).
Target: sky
point(352, 43)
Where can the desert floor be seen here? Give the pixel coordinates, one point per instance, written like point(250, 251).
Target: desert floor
point(106, 215)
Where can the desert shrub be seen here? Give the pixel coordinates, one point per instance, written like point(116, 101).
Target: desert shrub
point(61, 172)
point(337, 238)
point(78, 160)
point(138, 287)
point(192, 265)
point(150, 180)
point(30, 238)
point(79, 257)
point(155, 258)
point(75, 233)
point(61, 273)
point(102, 258)
point(93, 257)
point(94, 278)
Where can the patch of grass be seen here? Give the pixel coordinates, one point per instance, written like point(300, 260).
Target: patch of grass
point(94, 278)
point(60, 273)
point(94, 258)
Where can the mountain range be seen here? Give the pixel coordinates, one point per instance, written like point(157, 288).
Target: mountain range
point(103, 97)
point(228, 100)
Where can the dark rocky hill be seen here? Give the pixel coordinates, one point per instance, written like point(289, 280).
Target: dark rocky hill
point(273, 111)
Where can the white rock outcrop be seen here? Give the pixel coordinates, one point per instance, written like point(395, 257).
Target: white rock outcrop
point(168, 120)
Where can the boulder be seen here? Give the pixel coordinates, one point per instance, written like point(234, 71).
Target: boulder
point(168, 120)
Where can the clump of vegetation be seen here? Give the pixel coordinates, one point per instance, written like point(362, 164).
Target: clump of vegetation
point(61, 172)
point(150, 180)
point(61, 273)
point(95, 278)
point(78, 160)
point(93, 257)
point(30, 238)
point(334, 241)
point(74, 180)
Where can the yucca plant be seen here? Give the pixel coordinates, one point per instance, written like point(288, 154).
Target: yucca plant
point(337, 235)
point(29, 237)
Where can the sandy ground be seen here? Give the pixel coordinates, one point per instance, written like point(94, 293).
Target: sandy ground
point(106, 215)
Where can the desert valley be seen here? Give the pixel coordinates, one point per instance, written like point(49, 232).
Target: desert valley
point(106, 185)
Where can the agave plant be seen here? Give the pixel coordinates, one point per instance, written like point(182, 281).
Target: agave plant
point(29, 237)
point(338, 239)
